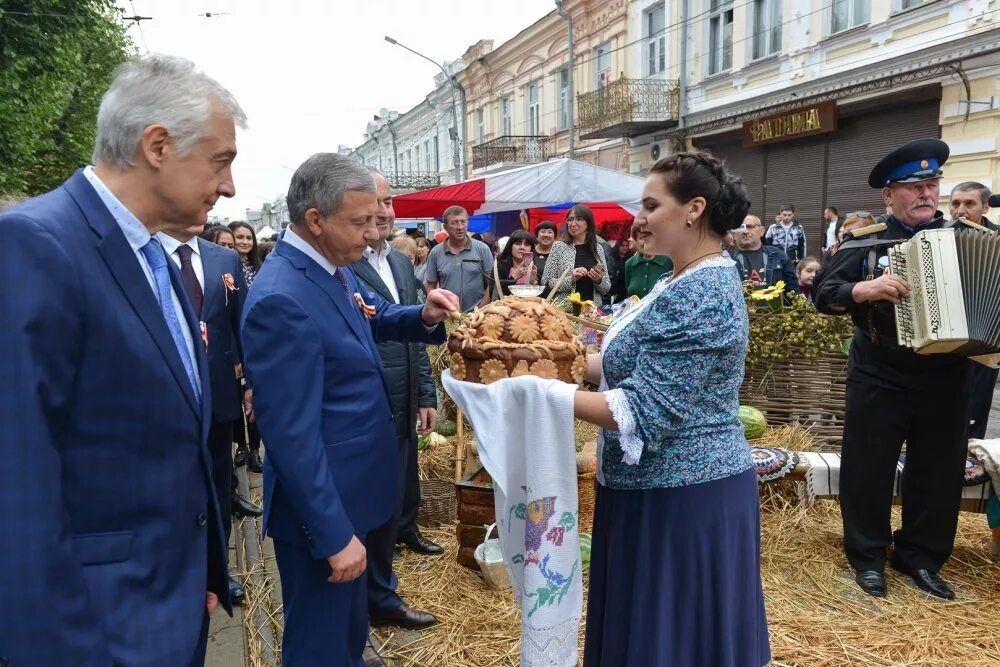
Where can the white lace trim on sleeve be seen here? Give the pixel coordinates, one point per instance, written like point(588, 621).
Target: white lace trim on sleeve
point(622, 412)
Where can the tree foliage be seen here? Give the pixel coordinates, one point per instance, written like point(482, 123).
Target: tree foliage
point(57, 58)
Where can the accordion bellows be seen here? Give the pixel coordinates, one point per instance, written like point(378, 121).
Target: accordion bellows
point(954, 305)
point(516, 336)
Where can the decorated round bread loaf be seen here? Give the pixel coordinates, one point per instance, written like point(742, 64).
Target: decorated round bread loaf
point(516, 336)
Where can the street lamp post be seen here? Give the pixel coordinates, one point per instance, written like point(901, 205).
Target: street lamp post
point(570, 103)
point(455, 87)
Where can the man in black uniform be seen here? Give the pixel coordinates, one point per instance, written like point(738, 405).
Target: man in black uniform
point(895, 395)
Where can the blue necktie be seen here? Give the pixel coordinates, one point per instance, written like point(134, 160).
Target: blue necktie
point(153, 252)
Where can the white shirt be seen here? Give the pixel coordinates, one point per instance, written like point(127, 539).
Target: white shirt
point(831, 233)
point(138, 236)
point(379, 259)
point(297, 242)
point(170, 245)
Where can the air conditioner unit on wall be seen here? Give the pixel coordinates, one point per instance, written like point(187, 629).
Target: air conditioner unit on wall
point(656, 151)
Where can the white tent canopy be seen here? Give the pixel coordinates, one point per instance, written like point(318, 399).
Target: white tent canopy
point(534, 186)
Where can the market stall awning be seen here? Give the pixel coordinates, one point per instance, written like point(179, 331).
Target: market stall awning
point(549, 184)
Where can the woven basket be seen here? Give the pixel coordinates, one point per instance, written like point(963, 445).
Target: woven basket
point(805, 392)
point(438, 505)
point(586, 484)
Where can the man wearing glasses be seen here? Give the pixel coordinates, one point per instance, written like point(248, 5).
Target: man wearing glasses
point(896, 395)
point(762, 265)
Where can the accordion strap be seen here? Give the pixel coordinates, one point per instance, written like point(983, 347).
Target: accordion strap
point(867, 243)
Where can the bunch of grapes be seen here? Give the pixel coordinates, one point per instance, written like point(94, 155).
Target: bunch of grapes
point(792, 328)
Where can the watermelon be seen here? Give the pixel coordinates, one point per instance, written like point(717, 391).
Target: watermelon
point(753, 422)
point(585, 550)
point(446, 427)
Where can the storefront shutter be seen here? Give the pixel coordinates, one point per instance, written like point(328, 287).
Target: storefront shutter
point(861, 141)
point(795, 171)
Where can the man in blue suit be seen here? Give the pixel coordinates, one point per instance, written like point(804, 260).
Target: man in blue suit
point(213, 281)
point(112, 534)
point(323, 408)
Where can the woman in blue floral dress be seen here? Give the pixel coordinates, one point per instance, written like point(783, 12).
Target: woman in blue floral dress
point(675, 568)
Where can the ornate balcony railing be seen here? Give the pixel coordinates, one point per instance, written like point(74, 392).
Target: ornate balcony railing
point(510, 149)
point(413, 180)
point(627, 108)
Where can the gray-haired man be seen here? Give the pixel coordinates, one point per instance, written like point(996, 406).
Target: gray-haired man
point(112, 532)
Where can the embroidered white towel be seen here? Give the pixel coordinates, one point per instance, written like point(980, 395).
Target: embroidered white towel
point(524, 432)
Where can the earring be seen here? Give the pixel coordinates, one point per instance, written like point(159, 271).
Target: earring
point(689, 223)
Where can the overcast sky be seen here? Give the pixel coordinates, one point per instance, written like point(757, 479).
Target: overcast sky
point(311, 73)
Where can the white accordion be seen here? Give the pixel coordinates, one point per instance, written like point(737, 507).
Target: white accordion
point(954, 303)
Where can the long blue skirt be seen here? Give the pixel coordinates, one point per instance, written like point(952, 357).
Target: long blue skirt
point(675, 577)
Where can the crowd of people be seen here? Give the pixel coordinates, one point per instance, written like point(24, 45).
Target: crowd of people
point(141, 346)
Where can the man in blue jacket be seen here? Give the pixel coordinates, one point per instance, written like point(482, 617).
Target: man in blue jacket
point(322, 403)
point(111, 530)
point(762, 265)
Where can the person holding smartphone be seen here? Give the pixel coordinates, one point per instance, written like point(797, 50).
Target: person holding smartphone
point(579, 250)
point(515, 265)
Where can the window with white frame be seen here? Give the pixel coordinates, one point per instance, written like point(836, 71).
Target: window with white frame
point(908, 4)
point(602, 65)
point(427, 153)
point(409, 160)
point(655, 39)
point(480, 125)
point(848, 14)
point(563, 77)
point(720, 36)
point(533, 109)
point(416, 153)
point(506, 119)
point(437, 155)
point(766, 27)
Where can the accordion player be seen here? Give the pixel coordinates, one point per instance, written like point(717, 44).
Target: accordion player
point(954, 303)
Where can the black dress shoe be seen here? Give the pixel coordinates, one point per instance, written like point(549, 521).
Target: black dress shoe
point(371, 656)
point(236, 592)
point(404, 616)
point(928, 582)
point(240, 457)
point(243, 507)
point(253, 462)
point(421, 545)
point(871, 582)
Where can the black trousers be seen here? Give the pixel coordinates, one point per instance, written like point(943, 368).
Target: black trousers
point(381, 543)
point(984, 379)
point(249, 439)
point(934, 424)
point(411, 492)
point(220, 446)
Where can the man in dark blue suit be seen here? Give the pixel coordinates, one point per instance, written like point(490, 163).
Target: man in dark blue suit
point(213, 281)
point(112, 533)
point(322, 403)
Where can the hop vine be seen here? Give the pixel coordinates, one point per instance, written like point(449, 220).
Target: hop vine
point(789, 326)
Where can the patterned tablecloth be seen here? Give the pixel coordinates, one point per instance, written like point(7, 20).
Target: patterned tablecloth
point(823, 481)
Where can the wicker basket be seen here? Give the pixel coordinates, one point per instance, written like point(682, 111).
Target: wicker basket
point(490, 560)
point(806, 392)
point(438, 505)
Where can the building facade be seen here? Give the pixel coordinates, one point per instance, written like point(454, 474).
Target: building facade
point(519, 95)
point(421, 148)
point(802, 98)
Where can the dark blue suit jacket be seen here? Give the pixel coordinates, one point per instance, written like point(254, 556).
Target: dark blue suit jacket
point(321, 401)
point(111, 531)
point(220, 311)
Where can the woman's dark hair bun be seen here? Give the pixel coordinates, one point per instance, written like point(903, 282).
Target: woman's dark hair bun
point(730, 206)
point(699, 174)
